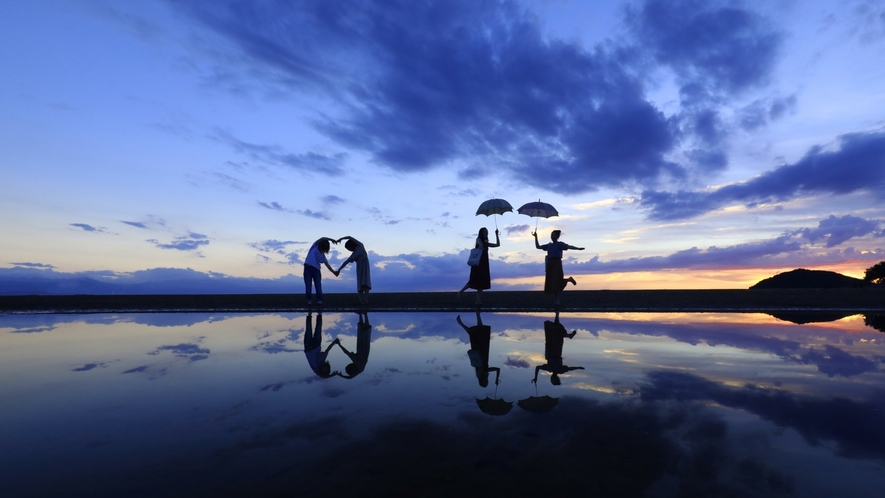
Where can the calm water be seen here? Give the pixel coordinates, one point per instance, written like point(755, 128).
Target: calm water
point(664, 405)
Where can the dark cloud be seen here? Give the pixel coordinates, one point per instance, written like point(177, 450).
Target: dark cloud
point(136, 369)
point(275, 206)
point(192, 352)
point(33, 265)
point(89, 228)
point(333, 199)
point(136, 224)
point(190, 242)
point(516, 363)
point(716, 45)
point(474, 85)
point(834, 231)
point(275, 246)
point(855, 166)
point(89, 366)
point(855, 426)
point(314, 214)
point(310, 162)
point(834, 361)
point(511, 229)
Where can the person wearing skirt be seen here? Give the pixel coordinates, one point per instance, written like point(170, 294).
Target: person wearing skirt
point(480, 276)
point(363, 268)
point(555, 281)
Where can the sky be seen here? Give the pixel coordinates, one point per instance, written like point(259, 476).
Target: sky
point(685, 144)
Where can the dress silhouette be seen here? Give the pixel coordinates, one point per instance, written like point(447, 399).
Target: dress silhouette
point(480, 340)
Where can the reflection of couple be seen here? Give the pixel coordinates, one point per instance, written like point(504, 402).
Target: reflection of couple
point(554, 335)
point(480, 339)
point(316, 356)
point(316, 258)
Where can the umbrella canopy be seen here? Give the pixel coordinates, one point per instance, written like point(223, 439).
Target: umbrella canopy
point(494, 407)
point(538, 210)
point(494, 206)
point(538, 404)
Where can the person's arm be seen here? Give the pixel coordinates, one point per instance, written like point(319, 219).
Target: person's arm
point(537, 245)
point(462, 324)
point(537, 369)
point(348, 353)
point(567, 368)
point(497, 374)
point(336, 341)
point(334, 272)
point(497, 240)
point(575, 248)
point(348, 237)
point(330, 239)
point(342, 266)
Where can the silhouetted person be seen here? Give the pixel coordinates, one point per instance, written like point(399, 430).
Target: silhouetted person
point(554, 335)
point(363, 274)
point(480, 277)
point(555, 281)
point(313, 347)
point(363, 341)
point(316, 256)
point(480, 338)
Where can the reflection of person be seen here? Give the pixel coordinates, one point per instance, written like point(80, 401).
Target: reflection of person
point(480, 277)
point(480, 339)
point(313, 347)
point(363, 341)
point(316, 256)
point(554, 335)
point(554, 281)
point(361, 258)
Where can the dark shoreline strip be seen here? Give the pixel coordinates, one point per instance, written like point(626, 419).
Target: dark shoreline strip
point(858, 300)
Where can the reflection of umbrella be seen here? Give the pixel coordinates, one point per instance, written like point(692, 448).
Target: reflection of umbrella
point(538, 210)
point(494, 406)
point(494, 206)
point(538, 404)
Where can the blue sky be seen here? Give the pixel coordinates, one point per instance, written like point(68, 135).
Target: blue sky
point(686, 144)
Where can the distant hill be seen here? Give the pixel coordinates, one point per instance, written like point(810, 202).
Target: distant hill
point(807, 279)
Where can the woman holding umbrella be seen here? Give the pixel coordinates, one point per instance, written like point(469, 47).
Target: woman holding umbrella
point(480, 277)
point(554, 281)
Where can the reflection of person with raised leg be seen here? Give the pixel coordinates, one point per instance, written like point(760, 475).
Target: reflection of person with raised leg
point(363, 341)
point(313, 347)
point(554, 335)
point(480, 339)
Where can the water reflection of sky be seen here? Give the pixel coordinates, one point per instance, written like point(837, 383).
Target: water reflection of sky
point(664, 404)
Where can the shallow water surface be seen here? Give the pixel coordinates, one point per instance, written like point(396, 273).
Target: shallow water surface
point(628, 405)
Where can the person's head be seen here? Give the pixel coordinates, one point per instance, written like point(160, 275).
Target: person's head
point(482, 376)
point(323, 245)
point(353, 370)
point(484, 233)
point(325, 370)
point(554, 235)
point(350, 245)
point(554, 379)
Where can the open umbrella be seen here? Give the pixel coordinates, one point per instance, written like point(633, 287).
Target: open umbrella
point(494, 206)
point(538, 404)
point(538, 210)
point(494, 407)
